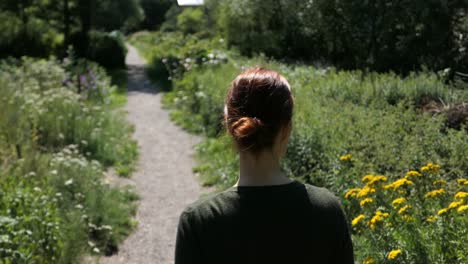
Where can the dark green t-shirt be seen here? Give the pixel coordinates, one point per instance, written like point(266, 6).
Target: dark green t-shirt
point(289, 224)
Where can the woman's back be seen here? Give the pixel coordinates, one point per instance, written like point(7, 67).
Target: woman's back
point(266, 217)
point(289, 223)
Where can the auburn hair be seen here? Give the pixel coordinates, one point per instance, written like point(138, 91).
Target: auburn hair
point(259, 103)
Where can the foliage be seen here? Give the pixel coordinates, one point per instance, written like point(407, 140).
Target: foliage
point(58, 129)
point(176, 54)
point(400, 216)
point(154, 11)
point(42, 28)
point(108, 49)
point(379, 35)
point(191, 20)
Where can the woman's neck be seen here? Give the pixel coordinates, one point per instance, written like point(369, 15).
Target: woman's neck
point(260, 169)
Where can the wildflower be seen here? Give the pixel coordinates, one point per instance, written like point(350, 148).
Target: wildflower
point(346, 157)
point(442, 211)
point(462, 181)
point(394, 253)
point(378, 217)
point(437, 182)
point(454, 204)
point(432, 219)
point(398, 201)
point(368, 177)
point(408, 218)
point(413, 173)
point(352, 192)
point(377, 178)
point(461, 195)
point(403, 209)
point(431, 168)
point(368, 260)
point(462, 208)
point(398, 183)
point(365, 191)
point(69, 182)
point(434, 193)
point(357, 220)
point(366, 201)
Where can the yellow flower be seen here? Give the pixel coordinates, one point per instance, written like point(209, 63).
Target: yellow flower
point(368, 177)
point(455, 204)
point(403, 209)
point(394, 253)
point(398, 183)
point(366, 201)
point(358, 219)
point(462, 181)
point(398, 201)
point(439, 182)
point(462, 208)
point(408, 218)
point(432, 219)
point(378, 217)
point(431, 168)
point(413, 173)
point(346, 157)
point(377, 178)
point(368, 260)
point(352, 192)
point(461, 195)
point(442, 211)
point(434, 193)
point(365, 191)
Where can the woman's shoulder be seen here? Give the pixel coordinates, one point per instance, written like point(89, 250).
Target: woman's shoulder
point(322, 197)
point(209, 203)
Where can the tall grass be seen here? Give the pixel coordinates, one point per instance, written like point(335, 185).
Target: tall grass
point(59, 130)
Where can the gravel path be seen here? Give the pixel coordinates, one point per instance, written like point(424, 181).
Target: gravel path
point(164, 177)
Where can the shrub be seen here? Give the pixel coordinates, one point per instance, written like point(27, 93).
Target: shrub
point(55, 141)
point(394, 219)
point(107, 49)
point(383, 35)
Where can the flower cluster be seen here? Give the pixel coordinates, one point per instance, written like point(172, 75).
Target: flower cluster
point(418, 204)
point(346, 157)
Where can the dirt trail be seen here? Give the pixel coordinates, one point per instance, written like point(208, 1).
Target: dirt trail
point(164, 177)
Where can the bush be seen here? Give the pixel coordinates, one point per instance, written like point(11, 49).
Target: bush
point(383, 35)
point(394, 219)
point(55, 141)
point(176, 54)
point(107, 49)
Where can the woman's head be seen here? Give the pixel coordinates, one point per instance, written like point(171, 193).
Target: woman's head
point(259, 108)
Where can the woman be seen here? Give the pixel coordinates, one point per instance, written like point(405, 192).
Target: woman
point(265, 217)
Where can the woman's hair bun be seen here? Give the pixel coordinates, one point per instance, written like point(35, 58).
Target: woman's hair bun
point(245, 127)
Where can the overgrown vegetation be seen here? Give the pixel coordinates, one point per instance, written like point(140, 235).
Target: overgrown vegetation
point(347, 124)
point(59, 129)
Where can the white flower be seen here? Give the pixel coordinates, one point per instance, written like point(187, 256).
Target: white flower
point(54, 172)
point(70, 181)
point(37, 189)
point(96, 250)
point(78, 206)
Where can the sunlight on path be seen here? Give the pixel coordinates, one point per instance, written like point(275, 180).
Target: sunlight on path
point(164, 177)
